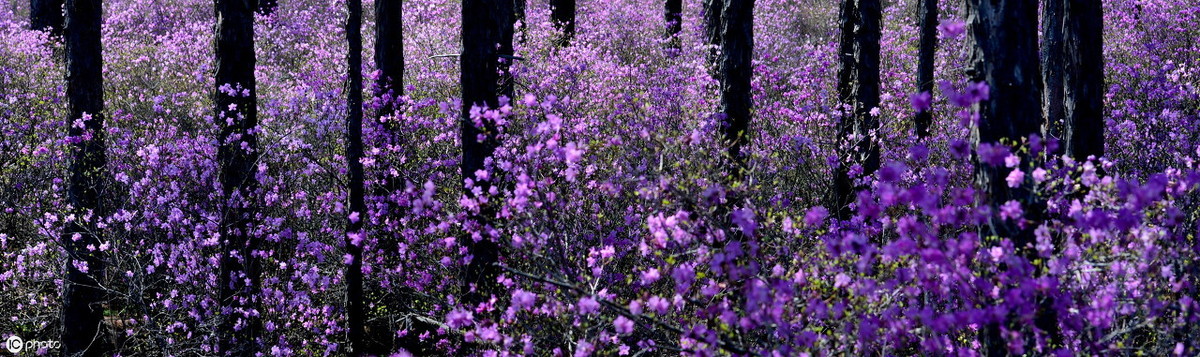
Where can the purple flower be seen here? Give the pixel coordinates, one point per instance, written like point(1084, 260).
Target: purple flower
point(921, 102)
point(522, 299)
point(658, 305)
point(459, 318)
point(815, 216)
point(623, 325)
point(978, 92)
point(841, 280)
point(588, 305)
point(744, 219)
point(952, 28)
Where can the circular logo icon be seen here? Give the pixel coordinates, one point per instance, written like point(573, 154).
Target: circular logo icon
point(14, 344)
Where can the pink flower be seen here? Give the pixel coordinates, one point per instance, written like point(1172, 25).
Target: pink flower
point(841, 280)
point(650, 276)
point(1011, 210)
point(1015, 178)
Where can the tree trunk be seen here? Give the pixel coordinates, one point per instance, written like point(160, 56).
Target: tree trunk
point(389, 53)
point(928, 14)
point(562, 13)
point(46, 14)
point(485, 24)
point(358, 207)
point(1083, 92)
point(1005, 49)
point(737, 52)
point(1052, 67)
point(237, 113)
point(82, 312)
point(712, 33)
point(858, 86)
point(267, 7)
point(673, 18)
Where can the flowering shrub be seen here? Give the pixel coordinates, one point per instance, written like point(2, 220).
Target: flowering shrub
point(619, 230)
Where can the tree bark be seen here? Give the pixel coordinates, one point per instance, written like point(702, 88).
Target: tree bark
point(389, 53)
point(486, 23)
point(1004, 55)
point(358, 208)
point(928, 14)
point(1083, 93)
point(237, 112)
point(46, 14)
point(712, 34)
point(673, 18)
point(267, 7)
point(562, 13)
point(737, 52)
point(82, 312)
point(1052, 67)
point(858, 86)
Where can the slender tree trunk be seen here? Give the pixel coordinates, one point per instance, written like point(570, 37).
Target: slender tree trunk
point(712, 33)
point(486, 23)
point(82, 312)
point(562, 13)
point(737, 52)
point(46, 14)
point(1005, 49)
point(1083, 93)
point(358, 208)
point(1052, 67)
point(237, 112)
point(267, 7)
point(928, 48)
point(389, 87)
point(673, 18)
point(858, 87)
point(389, 53)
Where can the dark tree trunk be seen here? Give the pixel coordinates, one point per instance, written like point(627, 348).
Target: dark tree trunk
point(1083, 93)
point(847, 19)
point(389, 53)
point(1052, 67)
point(712, 33)
point(928, 14)
point(389, 87)
point(1004, 55)
point(858, 87)
point(485, 24)
point(737, 51)
point(46, 14)
point(562, 13)
point(237, 114)
point(82, 311)
point(358, 207)
point(267, 7)
point(673, 18)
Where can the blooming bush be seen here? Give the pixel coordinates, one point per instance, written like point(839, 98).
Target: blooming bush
point(618, 228)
